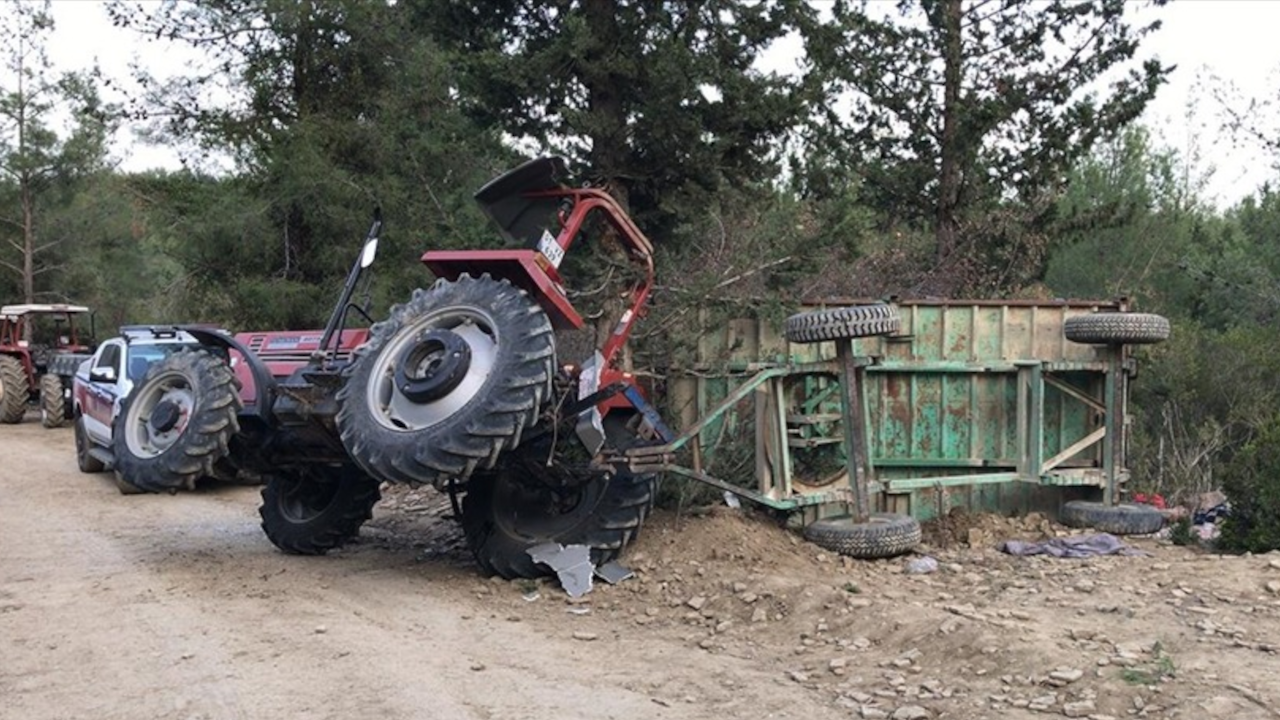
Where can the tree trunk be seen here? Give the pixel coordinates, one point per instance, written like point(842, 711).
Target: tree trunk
point(949, 175)
point(608, 131)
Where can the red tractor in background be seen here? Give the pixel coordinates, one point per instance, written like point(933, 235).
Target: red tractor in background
point(460, 388)
point(40, 349)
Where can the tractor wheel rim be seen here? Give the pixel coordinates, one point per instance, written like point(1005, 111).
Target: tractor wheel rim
point(303, 500)
point(143, 437)
point(528, 509)
point(392, 408)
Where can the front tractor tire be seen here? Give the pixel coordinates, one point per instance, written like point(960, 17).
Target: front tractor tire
point(448, 383)
point(177, 422)
point(315, 509)
point(13, 390)
point(53, 401)
point(524, 503)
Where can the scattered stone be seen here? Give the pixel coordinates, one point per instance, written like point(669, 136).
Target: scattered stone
point(1083, 708)
point(1273, 587)
point(798, 676)
point(910, 712)
point(1067, 675)
point(723, 626)
point(696, 602)
point(1084, 585)
point(321, 629)
point(871, 711)
point(707, 644)
point(760, 615)
point(583, 635)
point(477, 666)
point(748, 598)
point(921, 566)
point(837, 664)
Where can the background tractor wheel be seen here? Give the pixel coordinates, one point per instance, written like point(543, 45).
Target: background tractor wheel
point(53, 402)
point(883, 535)
point(13, 390)
point(843, 323)
point(86, 462)
point(315, 509)
point(1116, 328)
point(448, 383)
point(177, 422)
point(1122, 519)
point(516, 506)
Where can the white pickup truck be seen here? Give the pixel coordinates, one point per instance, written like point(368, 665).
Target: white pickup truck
point(103, 381)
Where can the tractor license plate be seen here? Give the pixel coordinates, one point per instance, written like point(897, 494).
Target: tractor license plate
point(550, 249)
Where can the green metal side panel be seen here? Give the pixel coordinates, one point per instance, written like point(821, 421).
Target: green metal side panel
point(943, 398)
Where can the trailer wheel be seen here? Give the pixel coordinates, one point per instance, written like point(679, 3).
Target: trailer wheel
point(883, 535)
point(842, 323)
point(84, 460)
point(13, 390)
point(448, 383)
point(1116, 328)
point(517, 506)
point(177, 422)
point(53, 401)
point(315, 509)
point(1122, 519)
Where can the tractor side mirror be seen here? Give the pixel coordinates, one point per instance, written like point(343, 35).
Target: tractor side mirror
point(370, 250)
point(103, 374)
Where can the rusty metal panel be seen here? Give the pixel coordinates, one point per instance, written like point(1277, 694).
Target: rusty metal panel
point(968, 390)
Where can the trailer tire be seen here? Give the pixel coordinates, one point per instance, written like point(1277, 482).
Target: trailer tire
point(883, 535)
point(1122, 519)
point(53, 401)
point(177, 422)
point(315, 509)
point(458, 420)
point(84, 459)
point(1116, 328)
point(505, 510)
point(13, 390)
point(843, 323)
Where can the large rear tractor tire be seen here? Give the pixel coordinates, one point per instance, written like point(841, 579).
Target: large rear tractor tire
point(53, 401)
point(13, 390)
point(448, 383)
point(315, 509)
point(516, 506)
point(177, 422)
point(84, 460)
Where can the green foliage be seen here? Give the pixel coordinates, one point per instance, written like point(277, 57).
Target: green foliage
point(1251, 482)
point(44, 161)
point(652, 100)
point(958, 107)
point(1180, 532)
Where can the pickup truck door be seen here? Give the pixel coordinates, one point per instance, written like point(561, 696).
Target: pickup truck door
point(100, 396)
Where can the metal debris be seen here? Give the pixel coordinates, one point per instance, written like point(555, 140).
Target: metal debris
point(571, 564)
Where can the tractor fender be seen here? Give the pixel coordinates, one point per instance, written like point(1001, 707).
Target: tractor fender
point(263, 383)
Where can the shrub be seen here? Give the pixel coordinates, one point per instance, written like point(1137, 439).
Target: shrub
point(1251, 482)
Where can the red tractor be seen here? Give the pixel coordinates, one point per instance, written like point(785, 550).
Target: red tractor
point(460, 388)
point(40, 349)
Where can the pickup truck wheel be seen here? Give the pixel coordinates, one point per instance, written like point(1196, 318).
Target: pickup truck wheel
point(516, 506)
point(53, 401)
point(448, 383)
point(177, 422)
point(13, 390)
point(315, 509)
point(86, 462)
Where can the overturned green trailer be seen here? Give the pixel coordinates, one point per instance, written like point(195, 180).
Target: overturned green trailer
point(1003, 406)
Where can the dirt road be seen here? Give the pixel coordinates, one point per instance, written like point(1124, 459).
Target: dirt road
point(178, 607)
